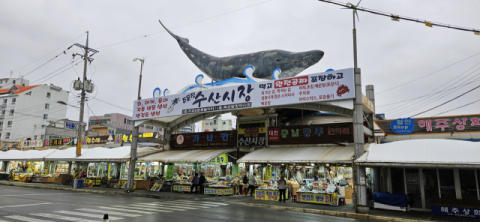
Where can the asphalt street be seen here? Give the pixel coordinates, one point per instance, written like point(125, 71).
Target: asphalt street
point(37, 205)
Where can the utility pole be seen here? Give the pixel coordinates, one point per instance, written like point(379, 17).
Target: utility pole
point(133, 147)
point(361, 189)
point(84, 86)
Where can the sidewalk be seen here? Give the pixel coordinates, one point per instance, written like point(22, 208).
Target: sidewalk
point(338, 211)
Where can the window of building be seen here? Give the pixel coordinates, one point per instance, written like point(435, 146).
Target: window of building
point(29, 93)
point(9, 123)
point(6, 81)
point(224, 122)
point(149, 127)
point(413, 187)
point(7, 136)
point(1, 123)
point(430, 186)
point(1, 81)
point(12, 111)
point(3, 112)
point(0, 135)
point(47, 106)
point(14, 100)
point(5, 101)
point(45, 116)
point(42, 137)
point(48, 95)
point(447, 183)
point(468, 185)
point(124, 120)
point(35, 137)
point(214, 130)
point(398, 184)
point(215, 122)
point(23, 84)
point(14, 81)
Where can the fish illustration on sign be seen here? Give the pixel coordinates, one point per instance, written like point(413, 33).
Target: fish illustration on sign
point(264, 63)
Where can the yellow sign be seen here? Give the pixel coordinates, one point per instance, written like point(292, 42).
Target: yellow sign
point(316, 198)
point(268, 173)
point(220, 159)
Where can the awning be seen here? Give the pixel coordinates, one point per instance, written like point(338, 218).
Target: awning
point(310, 154)
point(29, 155)
point(184, 156)
point(423, 153)
point(120, 154)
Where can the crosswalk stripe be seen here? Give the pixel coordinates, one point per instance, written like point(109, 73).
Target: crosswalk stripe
point(165, 207)
point(24, 205)
point(112, 213)
point(63, 218)
point(197, 204)
point(98, 216)
point(3, 221)
point(143, 209)
point(134, 211)
point(175, 204)
point(205, 202)
point(29, 219)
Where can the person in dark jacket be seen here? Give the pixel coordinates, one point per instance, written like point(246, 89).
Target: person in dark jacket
point(245, 179)
point(195, 182)
point(201, 182)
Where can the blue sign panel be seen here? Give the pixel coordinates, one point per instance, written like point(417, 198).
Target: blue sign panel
point(403, 126)
point(70, 125)
point(456, 211)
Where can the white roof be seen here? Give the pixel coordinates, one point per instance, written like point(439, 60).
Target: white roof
point(192, 156)
point(32, 155)
point(423, 151)
point(120, 154)
point(307, 154)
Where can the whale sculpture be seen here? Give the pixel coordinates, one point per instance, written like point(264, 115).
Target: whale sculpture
point(264, 62)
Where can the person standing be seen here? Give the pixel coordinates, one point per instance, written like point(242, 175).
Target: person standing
point(251, 184)
point(195, 182)
point(201, 182)
point(282, 186)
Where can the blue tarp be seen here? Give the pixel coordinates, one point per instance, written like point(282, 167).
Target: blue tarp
point(398, 200)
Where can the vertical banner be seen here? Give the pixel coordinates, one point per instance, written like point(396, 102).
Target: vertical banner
point(252, 133)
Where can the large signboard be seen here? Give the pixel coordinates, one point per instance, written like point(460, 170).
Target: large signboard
point(32, 143)
point(333, 85)
point(252, 133)
point(311, 134)
point(205, 139)
point(430, 125)
point(61, 142)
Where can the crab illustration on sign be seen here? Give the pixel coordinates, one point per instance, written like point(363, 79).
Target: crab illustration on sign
point(342, 89)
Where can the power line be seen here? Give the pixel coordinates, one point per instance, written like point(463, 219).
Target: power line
point(458, 107)
point(112, 104)
point(144, 36)
point(56, 71)
point(398, 17)
point(428, 74)
point(46, 54)
point(447, 101)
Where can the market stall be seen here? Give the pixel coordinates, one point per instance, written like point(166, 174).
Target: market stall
point(25, 165)
point(181, 166)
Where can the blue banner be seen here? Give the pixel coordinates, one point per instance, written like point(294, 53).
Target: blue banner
point(457, 211)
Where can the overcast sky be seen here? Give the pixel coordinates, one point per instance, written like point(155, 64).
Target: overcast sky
point(389, 53)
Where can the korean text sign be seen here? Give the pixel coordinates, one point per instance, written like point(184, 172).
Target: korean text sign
point(204, 139)
point(311, 134)
point(333, 85)
point(429, 125)
point(252, 133)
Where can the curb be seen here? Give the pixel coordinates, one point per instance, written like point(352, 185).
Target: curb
point(332, 213)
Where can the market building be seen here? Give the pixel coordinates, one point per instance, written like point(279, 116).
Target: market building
point(433, 161)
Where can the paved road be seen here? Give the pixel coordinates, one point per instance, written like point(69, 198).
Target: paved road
point(38, 205)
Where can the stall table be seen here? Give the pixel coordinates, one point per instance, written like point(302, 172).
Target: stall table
point(61, 179)
point(317, 198)
point(218, 191)
point(266, 194)
point(48, 179)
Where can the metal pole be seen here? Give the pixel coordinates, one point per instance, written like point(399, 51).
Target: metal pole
point(133, 147)
point(361, 191)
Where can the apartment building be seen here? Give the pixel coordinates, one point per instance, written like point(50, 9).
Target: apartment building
point(216, 124)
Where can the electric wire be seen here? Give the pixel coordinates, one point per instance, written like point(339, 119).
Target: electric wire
point(113, 104)
point(457, 107)
point(398, 17)
point(47, 54)
point(43, 78)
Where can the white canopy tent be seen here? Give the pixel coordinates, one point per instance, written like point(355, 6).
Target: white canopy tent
point(29, 155)
point(185, 156)
point(306, 154)
point(423, 153)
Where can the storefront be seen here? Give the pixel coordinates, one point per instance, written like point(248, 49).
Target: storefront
point(309, 170)
point(180, 167)
point(438, 175)
point(26, 166)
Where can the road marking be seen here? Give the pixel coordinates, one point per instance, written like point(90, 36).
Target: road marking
point(16, 195)
point(144, 209)
point(112, 213)
point(29, 219)
point(63, 218)
point(98, 216)
point(197, 204)
point(206, 202)
point(23, 205)
point(175, 204)
point(127, 210)
point(163, 207)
